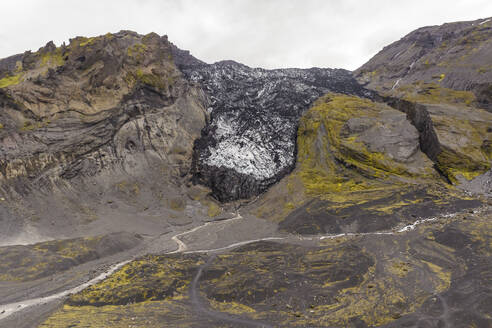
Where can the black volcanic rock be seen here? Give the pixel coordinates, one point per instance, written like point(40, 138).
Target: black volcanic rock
point(250, 141)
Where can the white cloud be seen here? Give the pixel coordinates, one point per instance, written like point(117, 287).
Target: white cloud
point(266, 33)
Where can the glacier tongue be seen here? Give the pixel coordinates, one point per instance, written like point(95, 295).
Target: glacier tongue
point(250, 141)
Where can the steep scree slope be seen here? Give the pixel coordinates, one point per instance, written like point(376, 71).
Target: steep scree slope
point(453, 55)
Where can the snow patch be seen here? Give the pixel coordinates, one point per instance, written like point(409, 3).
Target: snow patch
point(396, 83)
point(485, 21)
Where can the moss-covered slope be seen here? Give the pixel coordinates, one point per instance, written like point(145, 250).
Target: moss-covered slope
point(25, 263)
point(447, 70)
point(455, 134)
point(360, 168)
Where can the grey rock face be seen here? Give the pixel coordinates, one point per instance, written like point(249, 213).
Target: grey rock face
point(455, 55)
point(102, 117)
point(78, 99)
point(418, 115)
point(391, 134)
point(250, 141)
point(480, 185)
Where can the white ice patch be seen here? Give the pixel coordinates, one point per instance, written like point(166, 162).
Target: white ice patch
point(249, 153)
point(225, 128)
point(247, 157)
point(485, 21)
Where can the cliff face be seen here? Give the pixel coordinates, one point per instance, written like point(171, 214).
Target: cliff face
point(250, 141)
point(441, 76)
point(87, 117)
point(94, 104)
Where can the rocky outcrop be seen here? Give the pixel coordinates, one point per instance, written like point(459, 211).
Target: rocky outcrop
point(359, 168)
point(91, 105)
point(250, 141)
point(441, 77)
point(455, 56)
point(97, 116)
point(418, 115)
point(455, 137)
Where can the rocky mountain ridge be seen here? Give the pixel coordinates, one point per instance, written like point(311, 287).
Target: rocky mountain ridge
point(249, 142)
point(445, 72)
point(99, 116)
point(454, 55)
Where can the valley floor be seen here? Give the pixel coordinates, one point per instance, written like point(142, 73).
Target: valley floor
point(240, 271)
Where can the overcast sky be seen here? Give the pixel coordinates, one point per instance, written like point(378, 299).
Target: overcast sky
point(258, 33)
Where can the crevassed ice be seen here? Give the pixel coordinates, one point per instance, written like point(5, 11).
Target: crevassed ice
point(250, 153)
point(249, 158)
point(224, 128)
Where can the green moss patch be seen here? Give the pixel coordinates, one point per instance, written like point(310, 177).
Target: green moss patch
point(147, 279)
point(151, 79)
point(23, 263)
point(10, 80)
point(433, 93)
point(330, 162)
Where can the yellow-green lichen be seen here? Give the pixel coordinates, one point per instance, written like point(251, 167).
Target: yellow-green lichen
point(177, 204)
point(53, 58)
point(455, 164)
point(151, 79)
point(321, 147)
point(147, 279)
point(87, 41)
point(433, 93)
point(232, 307)
point(172, 311)
point(137, 51)
point(400, 268)
point(213, 209)
point(442, 276)
point(30, 126)
point(10, 80)
point(18, 66)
